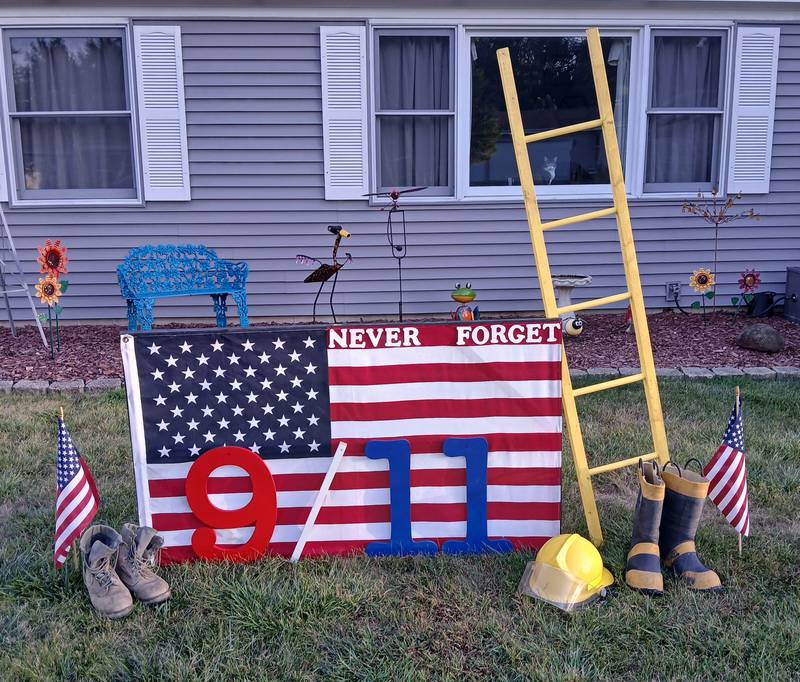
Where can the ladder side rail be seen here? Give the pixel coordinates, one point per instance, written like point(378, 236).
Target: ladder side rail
point(629, 261)
point(24, 284)
point(547, 291)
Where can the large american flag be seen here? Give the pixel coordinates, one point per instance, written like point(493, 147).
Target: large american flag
point(727, 475)
point(76, 495)
point(292, 394)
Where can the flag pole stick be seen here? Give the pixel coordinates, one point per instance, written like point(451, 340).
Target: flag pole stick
point(75, 558)
point(737, 416)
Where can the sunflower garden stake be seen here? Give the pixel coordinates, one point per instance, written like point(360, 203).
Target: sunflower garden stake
point(52, 263)
point(716, 211)
point(702, 281)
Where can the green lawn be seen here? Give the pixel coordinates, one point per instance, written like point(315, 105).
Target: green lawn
point(410, 619)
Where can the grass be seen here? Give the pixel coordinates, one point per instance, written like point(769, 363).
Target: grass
point(423, 618)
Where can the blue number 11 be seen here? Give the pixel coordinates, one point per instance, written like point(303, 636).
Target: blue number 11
point(475, 452)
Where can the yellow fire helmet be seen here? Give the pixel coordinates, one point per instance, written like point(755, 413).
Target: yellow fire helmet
point(568, 573)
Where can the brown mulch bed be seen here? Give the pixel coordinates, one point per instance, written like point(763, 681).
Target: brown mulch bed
point(92, 351)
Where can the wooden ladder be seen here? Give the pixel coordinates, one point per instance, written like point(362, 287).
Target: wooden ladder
point(633, 295)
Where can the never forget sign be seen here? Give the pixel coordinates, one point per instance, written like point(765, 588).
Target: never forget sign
point(423, 410)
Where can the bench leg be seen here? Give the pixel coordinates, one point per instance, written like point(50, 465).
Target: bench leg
point(220, 308)
point(241, 305)
point(131, 316)
point(144, 313)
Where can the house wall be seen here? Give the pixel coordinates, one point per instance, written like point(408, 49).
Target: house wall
point(255, 150)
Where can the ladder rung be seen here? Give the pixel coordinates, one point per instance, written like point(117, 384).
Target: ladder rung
point(603, 468)
point(593, 303)
point(583, 217)
point(605, 385)
point(566, 130)
point(21, 290)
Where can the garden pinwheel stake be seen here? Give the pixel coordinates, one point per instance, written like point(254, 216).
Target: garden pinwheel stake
point(52, 263)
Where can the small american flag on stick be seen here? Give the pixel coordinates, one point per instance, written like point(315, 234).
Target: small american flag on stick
point(76, 498)
point(727, 474)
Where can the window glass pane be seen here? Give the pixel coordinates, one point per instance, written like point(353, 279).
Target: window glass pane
point(680, 148)
point(414, 72)
point(686, 71)
point(68, 74)
point(414, 150)
point(90, 152)
point(555, 87)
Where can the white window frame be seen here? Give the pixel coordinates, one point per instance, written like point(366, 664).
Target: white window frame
point(723, 111)
point(130, 83)
point(438, 193)
point(543, 191)
point(640, 34)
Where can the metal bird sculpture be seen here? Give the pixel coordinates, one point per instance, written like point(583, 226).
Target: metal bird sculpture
point(327, 270)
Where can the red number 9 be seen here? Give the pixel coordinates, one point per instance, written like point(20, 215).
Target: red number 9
point(261, 511)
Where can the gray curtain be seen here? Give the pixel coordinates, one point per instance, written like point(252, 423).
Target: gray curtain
point(66, 75)
point(619, 56)
point(680, 147)
point(414, 74)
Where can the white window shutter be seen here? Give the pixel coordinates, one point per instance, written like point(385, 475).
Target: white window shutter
point(162, 113)
point(753, 115)
point(344, 110)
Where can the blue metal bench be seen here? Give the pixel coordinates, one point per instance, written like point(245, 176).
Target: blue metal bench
point(151, 272)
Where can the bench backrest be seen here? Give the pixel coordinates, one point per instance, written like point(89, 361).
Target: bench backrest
point(177, 269)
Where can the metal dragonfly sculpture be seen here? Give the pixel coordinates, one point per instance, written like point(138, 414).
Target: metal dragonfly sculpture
point(327, 270)
point(396, 232)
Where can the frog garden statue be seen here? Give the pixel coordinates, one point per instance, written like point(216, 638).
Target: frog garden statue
point(464, 295)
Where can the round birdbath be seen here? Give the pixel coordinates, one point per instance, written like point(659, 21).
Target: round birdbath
point(564, 284)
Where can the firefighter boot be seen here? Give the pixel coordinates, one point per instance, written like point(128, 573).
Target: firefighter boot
point(683, 504)
point(99, 552)
point(136, 560)
point(643, 567)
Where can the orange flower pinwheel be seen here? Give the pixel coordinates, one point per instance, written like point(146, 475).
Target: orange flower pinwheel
point(48, 290)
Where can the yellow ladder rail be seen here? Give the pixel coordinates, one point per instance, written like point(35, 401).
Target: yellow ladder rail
point(536, 228)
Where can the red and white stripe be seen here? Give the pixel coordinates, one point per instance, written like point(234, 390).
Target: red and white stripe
point(76, 506)
point(727, 477)
point(509, 394)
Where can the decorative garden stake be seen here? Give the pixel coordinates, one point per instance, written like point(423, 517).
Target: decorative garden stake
point(327, 270)
point(52, 263)
point(749, 281)
point(702, 281)
point(464, 295)
point(396, 234)
point(717, 212)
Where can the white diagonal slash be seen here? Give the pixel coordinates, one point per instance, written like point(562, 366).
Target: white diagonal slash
point(318, 502)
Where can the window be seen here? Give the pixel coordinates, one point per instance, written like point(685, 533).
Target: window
point(684, 115)
point(555, 88)
point(414, 110)
point(70, 114)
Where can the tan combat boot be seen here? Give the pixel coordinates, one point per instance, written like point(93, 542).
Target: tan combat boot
point(99, 551)
point(136, 559)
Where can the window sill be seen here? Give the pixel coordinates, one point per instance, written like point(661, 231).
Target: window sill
point(75, 203)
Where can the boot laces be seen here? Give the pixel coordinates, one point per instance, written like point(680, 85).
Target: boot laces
point(102, 573)
point(141, 564)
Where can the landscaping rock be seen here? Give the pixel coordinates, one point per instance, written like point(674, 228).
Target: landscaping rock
point(727, 371)
point(629, 371)
point(697, 372)
point(574, 373)
point(761, 337)
point(5, 386)
point(32, 386)
point(668, 372)
point(103, 384)
point(602, 371)
point(69, 386)
point(759, 372)
point(793, 372)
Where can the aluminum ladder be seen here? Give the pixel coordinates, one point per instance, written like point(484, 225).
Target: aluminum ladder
point(20, 287)
point(633, 295)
